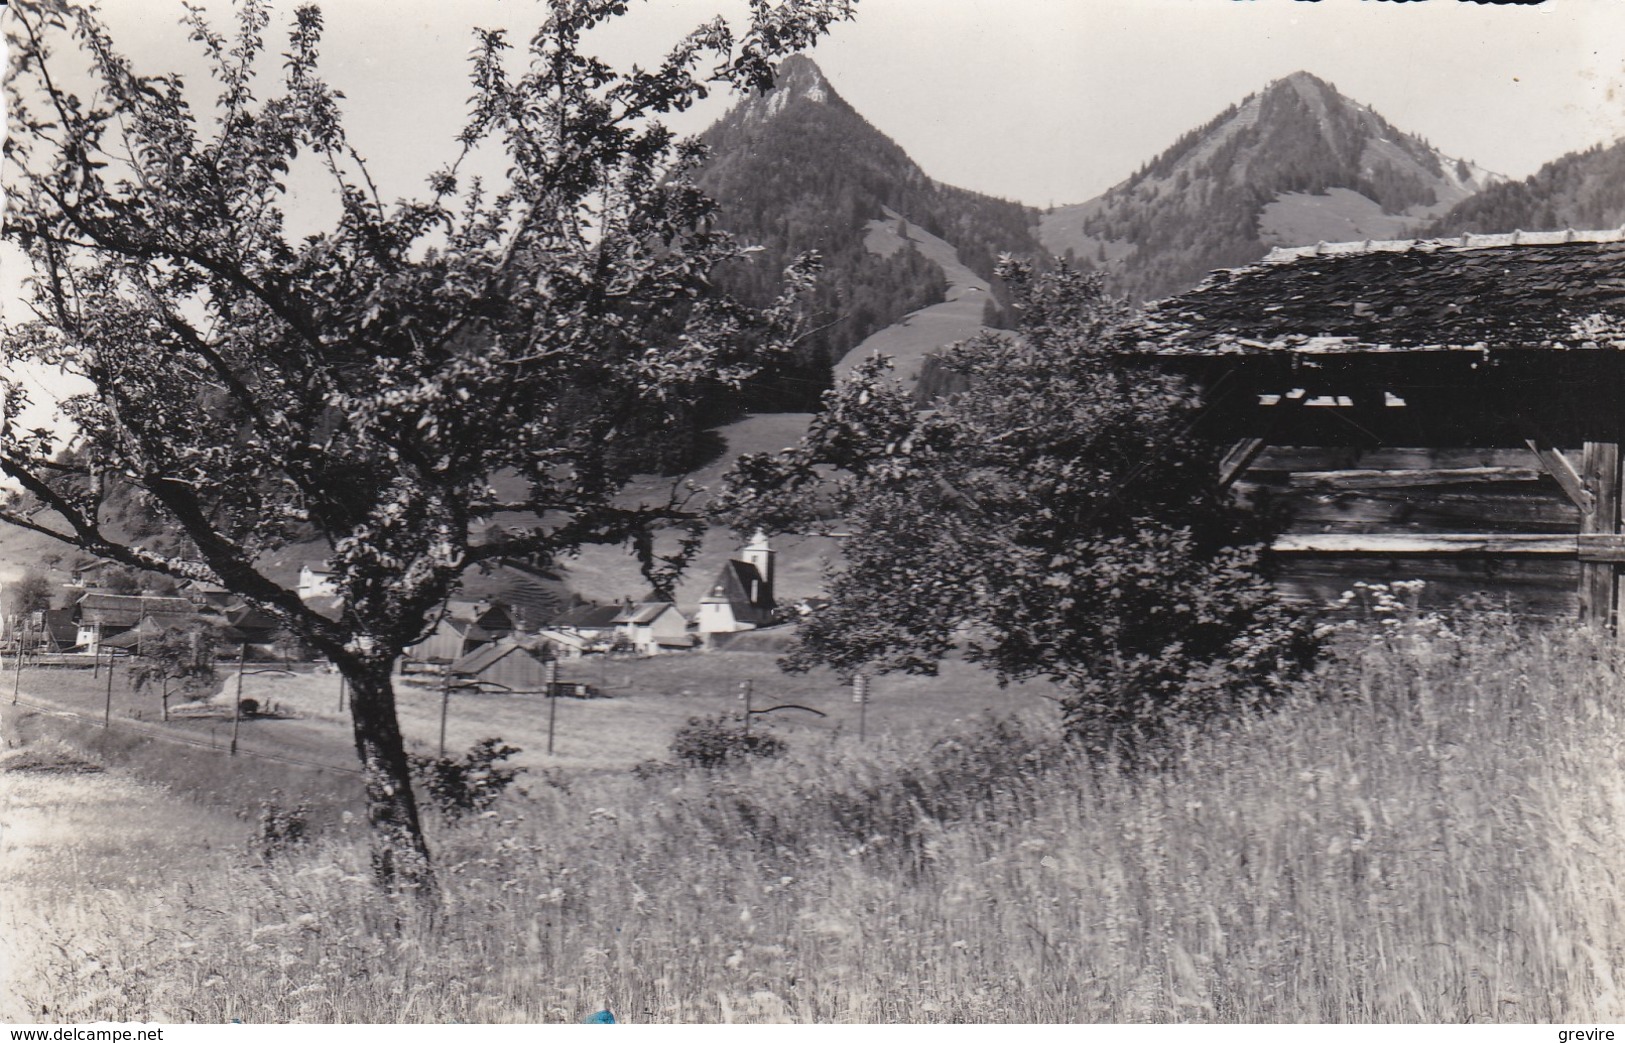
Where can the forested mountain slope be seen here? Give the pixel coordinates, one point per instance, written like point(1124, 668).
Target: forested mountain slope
point(1295, 164)
point(798, 169)
point(1582, 190)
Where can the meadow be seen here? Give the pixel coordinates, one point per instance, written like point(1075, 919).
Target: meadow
point(1429, 830)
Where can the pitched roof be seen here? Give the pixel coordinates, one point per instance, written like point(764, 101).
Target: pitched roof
point(486, 656)
point(148, 627)
point(60, 625)
point(733, 586)
point(247, 617)
point(590, 617)
point(561, 637)
point(1520, 291)
point(127, 610)
point(647, 612)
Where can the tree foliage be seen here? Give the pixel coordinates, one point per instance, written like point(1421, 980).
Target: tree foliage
point(363, 384)
point(458, 787)
point(29, 593)
point(1058, 518)
point(181, 656)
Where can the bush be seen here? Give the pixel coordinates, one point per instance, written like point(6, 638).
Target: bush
point(457, 787)
point(711, 742)
point(281, 829)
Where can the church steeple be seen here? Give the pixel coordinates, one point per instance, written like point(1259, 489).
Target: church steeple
point(759, 554)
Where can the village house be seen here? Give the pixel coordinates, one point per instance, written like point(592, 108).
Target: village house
point(508, 663)
point(103, 616)
point(316, 581)
point(564, 644)
point(243, 626)
point(742, 596)
point(47, 630)
point(593, 625)
point(464, 627)
point(652, 627)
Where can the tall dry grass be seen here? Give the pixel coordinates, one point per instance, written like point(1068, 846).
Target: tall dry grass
point(1431, 831)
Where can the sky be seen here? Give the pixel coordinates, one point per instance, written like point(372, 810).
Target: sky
point(1043, 101)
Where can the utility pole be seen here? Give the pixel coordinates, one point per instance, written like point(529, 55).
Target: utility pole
point(445, 704)
point(17, 675)
point(860, 695)
point(341, 692)
point(747, 687)
point(552, 676)
point(237, 703)
point(107, 713)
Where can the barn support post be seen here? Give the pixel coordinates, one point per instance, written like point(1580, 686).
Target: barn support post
point(1599, 579)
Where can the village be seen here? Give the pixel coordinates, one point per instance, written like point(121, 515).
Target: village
point(486, 643)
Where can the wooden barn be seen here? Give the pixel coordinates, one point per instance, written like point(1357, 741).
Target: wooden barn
point(462, 628)
point(1446, 410)
point(102, 616)
point(507, 664)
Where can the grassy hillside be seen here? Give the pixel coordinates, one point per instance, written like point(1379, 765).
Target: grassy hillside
point(929, 330)
point(1422, 835)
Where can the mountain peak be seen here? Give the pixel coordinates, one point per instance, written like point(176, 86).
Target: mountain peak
point(1293, 164)
point(796, 78)
point(799, 74)
point(1302, 79)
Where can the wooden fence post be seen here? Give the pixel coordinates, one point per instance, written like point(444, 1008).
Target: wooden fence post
point(1599, 469)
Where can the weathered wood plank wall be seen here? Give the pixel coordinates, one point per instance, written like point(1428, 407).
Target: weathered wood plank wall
point(1328, 497)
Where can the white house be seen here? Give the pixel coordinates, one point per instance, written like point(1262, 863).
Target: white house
point(316, 581)
point(652, 627)
point(742, 596)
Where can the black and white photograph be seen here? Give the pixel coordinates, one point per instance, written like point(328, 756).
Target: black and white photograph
point(834, 512)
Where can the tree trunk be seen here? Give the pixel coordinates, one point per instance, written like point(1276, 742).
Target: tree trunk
point(400, 858)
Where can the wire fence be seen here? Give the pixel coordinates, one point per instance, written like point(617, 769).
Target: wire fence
point(161, 733)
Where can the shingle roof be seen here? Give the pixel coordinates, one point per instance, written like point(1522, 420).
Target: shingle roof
point(1519, 291)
